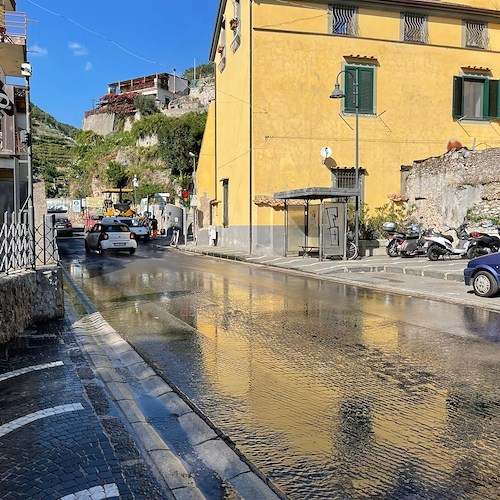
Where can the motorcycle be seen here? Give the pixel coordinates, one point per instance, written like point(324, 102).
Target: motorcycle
point(414, 242)
point(440, 245)
point(482, 244)
point(394, 239)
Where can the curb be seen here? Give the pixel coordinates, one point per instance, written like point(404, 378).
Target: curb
point(118, 365)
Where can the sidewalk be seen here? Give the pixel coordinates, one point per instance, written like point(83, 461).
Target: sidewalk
point(83, 416)
point(418, 276)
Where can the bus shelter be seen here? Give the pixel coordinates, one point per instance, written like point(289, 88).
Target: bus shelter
point(319, 225)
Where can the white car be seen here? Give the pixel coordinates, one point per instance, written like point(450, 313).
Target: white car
point(141, 232)
point(110, 234)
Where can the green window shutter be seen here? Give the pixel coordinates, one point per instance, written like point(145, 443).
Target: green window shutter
point(365, 76)
point(493, 101)
point(458, 106)
point(365, 89)
point(349, 102)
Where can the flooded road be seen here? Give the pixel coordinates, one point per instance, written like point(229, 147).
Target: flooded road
point(332, 391)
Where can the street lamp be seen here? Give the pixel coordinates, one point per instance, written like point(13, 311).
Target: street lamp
point(194, 200)
point(135, 183)
point(338, 94)
point(26, 71)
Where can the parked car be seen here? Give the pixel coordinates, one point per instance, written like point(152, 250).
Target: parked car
point(141, 232)
point(110, 235)
point(63, 226)
point(483, 273)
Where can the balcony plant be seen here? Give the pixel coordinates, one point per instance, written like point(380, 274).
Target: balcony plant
point(220, 49)
point(233, 24)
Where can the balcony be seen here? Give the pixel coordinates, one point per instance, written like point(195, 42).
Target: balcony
point(12, 42)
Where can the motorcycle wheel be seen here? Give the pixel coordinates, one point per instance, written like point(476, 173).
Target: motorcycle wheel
point(434, 252)
point(472, 252)
point(392, 249)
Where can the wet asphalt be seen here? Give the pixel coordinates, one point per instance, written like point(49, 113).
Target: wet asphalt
point(62, 431)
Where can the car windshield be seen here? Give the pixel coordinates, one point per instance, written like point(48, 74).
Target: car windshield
point(116, 228)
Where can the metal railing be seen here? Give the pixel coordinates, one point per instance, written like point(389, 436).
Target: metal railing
point(20, 249)
point(13, 27)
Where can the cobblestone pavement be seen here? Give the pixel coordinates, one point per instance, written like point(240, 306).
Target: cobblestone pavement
point(60, 436)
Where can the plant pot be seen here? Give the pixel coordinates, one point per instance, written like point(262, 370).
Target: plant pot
point(233, 24)
point(220, 49)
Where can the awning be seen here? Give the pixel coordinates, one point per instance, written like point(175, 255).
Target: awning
point(315, 193)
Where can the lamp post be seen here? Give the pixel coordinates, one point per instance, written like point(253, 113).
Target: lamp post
point(338, 94)
point(135, 183)
point(26, 71)
point(194, 200)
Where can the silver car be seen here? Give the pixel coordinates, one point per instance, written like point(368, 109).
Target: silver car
point(141, 232)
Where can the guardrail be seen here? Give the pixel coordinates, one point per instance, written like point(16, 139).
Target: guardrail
point(21, 249)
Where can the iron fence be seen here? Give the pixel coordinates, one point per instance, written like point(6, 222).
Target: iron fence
point(22, 248)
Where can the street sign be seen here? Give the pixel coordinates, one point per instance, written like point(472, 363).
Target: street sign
point(194, 200)
point(77, 205)
point(326, 152)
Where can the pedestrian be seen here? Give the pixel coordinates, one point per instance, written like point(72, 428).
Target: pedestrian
point(154, 226)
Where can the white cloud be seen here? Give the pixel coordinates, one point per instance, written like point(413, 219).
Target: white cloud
point(78, 49)
point(88, 66)
point(37, 51)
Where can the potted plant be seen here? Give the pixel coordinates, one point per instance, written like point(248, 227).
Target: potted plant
point(233, 24)
point(220, 49)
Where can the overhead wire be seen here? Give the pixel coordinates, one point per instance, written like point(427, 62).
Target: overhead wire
point(81, 26)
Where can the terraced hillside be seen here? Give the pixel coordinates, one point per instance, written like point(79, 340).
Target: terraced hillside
point(52, 150)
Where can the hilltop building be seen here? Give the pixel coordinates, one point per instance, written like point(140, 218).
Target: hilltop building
point(426, 71)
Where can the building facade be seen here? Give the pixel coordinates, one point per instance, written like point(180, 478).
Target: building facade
point(14, 137)
point(427, 72)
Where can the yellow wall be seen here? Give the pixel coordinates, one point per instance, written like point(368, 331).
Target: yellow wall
point(205, 173)
point(294, 63)
point(232, 95)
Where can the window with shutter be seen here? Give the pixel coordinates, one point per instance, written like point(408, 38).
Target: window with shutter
point(475, 98)
point(365, 75)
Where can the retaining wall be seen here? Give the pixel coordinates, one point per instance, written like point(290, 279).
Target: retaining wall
point(28, 297)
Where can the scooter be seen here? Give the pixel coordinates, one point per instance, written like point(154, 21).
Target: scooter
point(414, 242)
point(482, 244)
point(394, 239)
point(440, 245)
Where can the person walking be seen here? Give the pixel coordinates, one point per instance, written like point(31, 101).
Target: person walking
point(154, 226)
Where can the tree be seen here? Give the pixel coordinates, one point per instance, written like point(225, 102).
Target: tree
point(202, 71)
point(146, 105)
point(179, 136)
point(118, 176)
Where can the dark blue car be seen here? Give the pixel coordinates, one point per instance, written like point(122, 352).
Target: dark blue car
point(483, 273)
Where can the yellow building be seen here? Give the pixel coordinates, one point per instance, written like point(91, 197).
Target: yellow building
point(427, 71)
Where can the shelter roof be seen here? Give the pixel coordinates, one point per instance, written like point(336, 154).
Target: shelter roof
point(315, 193)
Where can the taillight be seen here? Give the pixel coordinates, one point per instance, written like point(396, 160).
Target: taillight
point(132, 236)
point(104, 236)
point(475, 235)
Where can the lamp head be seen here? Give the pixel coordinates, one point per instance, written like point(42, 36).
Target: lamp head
point(337, 93)
point(26, 69)
point(192, 155)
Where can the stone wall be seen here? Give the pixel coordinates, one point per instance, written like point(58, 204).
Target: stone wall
point(101, 123)
point(28, 297)
point(444, 189)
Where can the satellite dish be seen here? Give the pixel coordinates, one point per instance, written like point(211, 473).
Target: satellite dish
point(326, 152)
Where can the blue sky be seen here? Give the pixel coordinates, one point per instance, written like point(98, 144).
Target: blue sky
point(81, 46)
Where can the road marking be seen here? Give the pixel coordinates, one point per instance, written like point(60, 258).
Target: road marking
point(96, 493)
point(37, 415)
point(28, 369)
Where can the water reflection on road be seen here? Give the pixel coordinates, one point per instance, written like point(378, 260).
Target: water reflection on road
point(333, 391)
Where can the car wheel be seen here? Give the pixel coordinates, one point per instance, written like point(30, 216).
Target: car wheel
point(87, 248)
point(132, 251)
point(434, 252)
point(484, 284)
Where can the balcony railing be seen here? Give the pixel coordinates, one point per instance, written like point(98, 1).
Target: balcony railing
point(13, 28)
